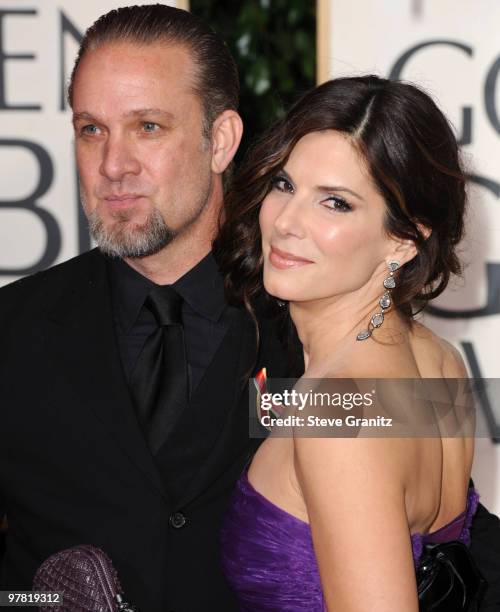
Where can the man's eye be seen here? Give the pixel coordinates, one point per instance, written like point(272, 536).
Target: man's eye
point(282, 184)
point(149, 126)
point(89, 130)
point(337, 204)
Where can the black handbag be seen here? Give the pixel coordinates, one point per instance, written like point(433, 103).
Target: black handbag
point(448, 579)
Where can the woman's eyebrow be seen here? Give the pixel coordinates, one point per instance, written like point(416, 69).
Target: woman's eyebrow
point(285, 174)
point(330, 188)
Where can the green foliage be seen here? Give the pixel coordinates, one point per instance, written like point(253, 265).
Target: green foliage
point(273, 42)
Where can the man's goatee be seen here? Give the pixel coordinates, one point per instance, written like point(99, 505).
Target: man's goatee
point(127, 240)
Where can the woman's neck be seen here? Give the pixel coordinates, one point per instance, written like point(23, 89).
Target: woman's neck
point(328, 327)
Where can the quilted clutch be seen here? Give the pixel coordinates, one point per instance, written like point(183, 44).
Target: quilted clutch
point(86, 578)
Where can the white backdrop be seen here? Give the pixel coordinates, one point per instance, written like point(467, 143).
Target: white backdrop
point(452, 49)
point(40, 218)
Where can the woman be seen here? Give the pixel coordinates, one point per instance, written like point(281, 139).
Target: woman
point(350, 210)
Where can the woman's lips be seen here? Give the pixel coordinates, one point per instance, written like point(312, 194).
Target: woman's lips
point(283, 260)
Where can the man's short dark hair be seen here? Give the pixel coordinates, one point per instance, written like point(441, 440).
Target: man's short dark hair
point(216, 80)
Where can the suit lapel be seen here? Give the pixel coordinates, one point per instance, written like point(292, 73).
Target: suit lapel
point(82, 339)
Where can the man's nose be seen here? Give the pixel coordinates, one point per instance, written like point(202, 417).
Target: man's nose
point(290, 220)
point(119, 158)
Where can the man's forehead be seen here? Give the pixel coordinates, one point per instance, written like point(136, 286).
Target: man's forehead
point(154, 74)
point(157, 52)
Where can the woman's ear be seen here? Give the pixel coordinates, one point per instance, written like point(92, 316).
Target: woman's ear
point(226, 136)
point(405, 250)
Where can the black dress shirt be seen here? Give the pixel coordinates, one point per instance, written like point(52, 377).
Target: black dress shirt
point(204, 313)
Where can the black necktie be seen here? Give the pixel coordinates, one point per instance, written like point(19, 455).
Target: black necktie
point(159, 380)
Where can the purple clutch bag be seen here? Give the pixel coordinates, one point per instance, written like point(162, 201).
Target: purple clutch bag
point(86, 578)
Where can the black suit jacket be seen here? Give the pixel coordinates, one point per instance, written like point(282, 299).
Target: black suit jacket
point(74, 467)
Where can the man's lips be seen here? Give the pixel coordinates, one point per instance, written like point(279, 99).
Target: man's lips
point(283, 260)
point(122, 201)
point(121, 198)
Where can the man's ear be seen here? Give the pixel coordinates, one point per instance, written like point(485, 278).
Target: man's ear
point(226, 136)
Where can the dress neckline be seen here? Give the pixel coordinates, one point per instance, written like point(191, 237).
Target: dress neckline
point(266, 501)
point(471, 504)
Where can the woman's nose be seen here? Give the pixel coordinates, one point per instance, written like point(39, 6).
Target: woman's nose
point(290, 220)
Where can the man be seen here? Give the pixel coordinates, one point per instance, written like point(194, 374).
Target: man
point(87, 455)
point(84, 458)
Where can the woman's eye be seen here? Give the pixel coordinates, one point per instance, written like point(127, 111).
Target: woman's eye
point(282, 184)
point(149, 126)
point(337, 204)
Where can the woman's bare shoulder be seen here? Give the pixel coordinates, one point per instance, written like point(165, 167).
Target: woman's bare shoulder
point(414, 353)
point(435, 355)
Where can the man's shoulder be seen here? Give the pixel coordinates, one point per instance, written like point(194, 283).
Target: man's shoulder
point(47, 285)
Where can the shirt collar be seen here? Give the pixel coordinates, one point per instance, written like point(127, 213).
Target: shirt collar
point(129, 291)
point(201, 287)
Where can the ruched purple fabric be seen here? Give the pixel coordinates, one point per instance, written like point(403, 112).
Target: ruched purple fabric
point(268, 557)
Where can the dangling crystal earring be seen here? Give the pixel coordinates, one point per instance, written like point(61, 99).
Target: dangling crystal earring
point(384, 302)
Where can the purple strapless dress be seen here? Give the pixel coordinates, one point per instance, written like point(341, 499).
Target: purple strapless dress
point(268, 557)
